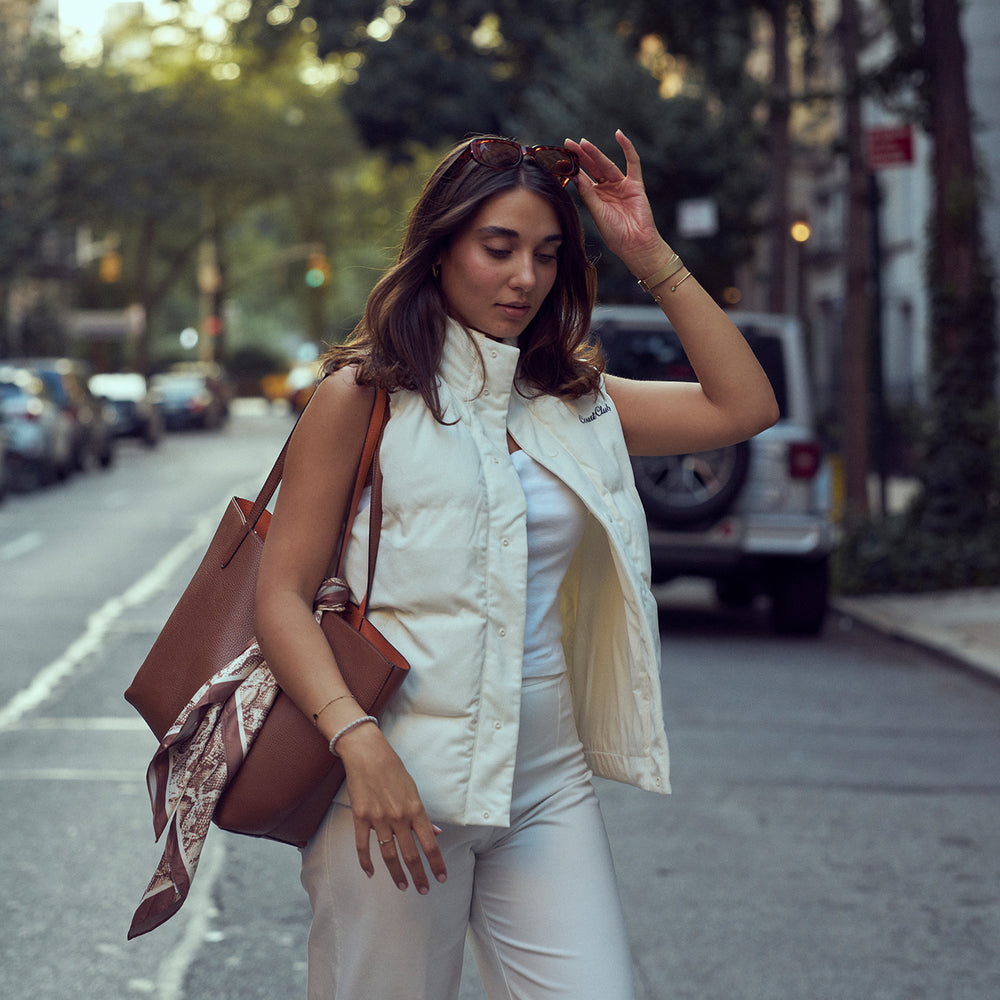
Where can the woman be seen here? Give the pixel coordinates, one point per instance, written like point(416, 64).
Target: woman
point(513, 574)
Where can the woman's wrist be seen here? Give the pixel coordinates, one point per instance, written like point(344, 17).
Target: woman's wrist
point(344, 731)
point(669, 270)
point(353, 738)
point(646, 265)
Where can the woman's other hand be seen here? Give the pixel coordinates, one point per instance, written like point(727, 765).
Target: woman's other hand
point(386, 803)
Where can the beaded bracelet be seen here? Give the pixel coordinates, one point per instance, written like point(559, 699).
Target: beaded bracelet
point(348, 728)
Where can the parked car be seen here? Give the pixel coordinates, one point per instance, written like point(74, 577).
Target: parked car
point(38, 434)
point(217, 380)
point(93, 431)
point(138, 410)
point(301, 383)
point(188, 401)
point(5, 471)
point(755, 517)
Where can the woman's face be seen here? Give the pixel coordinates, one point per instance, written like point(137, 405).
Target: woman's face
point(496, 272)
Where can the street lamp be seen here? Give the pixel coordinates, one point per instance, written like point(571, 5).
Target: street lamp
point(801, 231)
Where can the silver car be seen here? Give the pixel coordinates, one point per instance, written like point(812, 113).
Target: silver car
point(755, 517)
point(39, 435)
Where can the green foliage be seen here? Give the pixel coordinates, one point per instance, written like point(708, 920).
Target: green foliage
point(551, 70)
point(254, 362)
point(949, 536)
point(897, 555)
point(691, 147)
point(27, 155)
point(960, 480)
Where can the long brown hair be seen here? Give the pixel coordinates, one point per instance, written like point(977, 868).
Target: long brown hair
point(400, 339)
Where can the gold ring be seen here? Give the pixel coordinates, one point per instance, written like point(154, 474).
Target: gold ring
point(382, 843)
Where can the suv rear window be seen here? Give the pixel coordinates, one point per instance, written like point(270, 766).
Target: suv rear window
point(654, 352)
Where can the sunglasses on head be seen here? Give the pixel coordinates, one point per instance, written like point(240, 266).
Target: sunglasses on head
point(502, 154)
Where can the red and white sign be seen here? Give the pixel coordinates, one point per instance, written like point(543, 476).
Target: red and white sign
point(890, 146)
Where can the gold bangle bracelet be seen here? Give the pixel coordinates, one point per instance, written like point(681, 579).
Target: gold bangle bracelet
point(316, 715)
point(668, 270)
point(674, 287)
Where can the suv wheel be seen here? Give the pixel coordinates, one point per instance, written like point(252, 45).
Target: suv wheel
point(799, 590)
point(688, 489)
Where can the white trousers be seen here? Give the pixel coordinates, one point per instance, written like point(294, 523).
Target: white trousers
point(538, 901)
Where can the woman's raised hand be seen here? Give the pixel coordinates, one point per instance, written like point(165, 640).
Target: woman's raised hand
point(618, 203)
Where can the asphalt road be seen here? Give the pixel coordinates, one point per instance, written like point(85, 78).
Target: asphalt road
point(833, 831)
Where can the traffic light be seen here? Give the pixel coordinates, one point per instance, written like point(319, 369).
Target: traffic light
point(318, 270)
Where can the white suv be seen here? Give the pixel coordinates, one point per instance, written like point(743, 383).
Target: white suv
point(754, 517)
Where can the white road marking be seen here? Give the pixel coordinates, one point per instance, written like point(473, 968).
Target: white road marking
point(200, 910)
point(102, 621)
point(103, 724)
point(70, 774)
point(21, 546)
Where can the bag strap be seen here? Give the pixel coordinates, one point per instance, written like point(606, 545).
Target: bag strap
point(369, 461)
point(369, 455)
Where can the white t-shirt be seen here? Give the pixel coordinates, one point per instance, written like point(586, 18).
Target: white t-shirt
point(555, 522)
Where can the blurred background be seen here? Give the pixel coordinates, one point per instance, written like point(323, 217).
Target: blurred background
point(196, 198)
point(205, 191)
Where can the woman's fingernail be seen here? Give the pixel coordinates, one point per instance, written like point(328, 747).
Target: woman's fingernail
point(401, 886)
point(442, 878)
point(436, 829)
point(423, 890)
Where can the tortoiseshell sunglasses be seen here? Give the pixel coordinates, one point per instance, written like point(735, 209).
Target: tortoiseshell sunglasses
point(503, 154)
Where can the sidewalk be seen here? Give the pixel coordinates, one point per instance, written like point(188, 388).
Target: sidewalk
point(961, 624)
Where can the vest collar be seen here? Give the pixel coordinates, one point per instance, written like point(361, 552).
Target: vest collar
point(472, 363)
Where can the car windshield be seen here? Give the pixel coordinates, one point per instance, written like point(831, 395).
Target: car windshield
point(654, 352)
point(179, 385)
point(120, 385)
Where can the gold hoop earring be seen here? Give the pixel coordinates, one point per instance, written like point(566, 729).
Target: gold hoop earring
point(435, 271)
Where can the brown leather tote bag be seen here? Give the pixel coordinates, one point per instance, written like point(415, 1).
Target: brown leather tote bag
point(289, 777)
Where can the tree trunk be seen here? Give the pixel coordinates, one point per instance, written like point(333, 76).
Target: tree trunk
point(958, 474)
point(778, 126)
point(144, 292)
point(857, 315)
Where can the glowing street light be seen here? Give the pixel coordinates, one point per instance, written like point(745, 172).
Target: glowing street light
point(800, 231)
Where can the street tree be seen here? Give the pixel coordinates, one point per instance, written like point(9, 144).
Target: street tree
point(423, 73)
point(27, 169)
point(951, 537)
point(170, 145)
point(961, 481)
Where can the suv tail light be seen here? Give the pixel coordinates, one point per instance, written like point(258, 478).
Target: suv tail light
point(803, 459)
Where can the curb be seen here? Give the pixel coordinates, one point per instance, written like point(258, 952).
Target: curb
point(886, 615)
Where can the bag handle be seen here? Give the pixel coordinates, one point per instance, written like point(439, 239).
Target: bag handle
point(369, 461)
point(369, 457)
